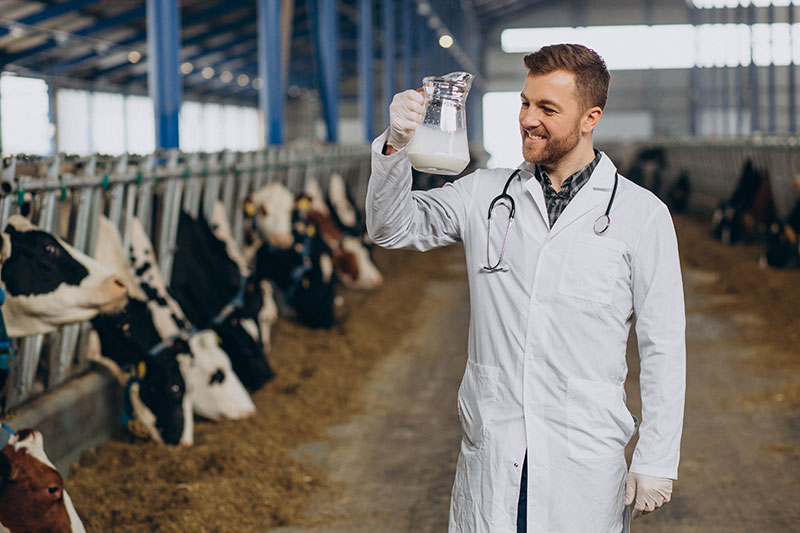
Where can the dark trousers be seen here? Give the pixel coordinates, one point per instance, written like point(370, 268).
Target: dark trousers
point(522, 505)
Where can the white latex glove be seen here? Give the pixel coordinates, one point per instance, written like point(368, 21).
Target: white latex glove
point(405, 113)
point(649, 492)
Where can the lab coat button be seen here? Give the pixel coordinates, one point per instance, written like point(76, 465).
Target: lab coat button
point(516, 465)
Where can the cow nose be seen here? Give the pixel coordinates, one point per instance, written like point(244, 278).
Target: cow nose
point(282, 240)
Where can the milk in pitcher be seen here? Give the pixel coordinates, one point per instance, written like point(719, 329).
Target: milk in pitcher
point(439, 152)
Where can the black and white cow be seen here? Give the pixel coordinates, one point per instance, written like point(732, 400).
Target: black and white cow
point(783, 242)
point(216, 391)
point(211, 290)
point(155, 393)
point(259, 298)
point(48, 283)
point(304, 272)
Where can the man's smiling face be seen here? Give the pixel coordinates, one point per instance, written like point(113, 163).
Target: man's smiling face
point(549, 117)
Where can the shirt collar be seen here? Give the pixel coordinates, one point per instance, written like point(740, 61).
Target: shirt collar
point(573, 183)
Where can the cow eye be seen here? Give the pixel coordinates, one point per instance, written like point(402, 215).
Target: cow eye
point(175, 389)
point(50, 249)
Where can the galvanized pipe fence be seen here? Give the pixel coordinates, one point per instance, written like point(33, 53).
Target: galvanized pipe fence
point(66, 196)
point(714, 165)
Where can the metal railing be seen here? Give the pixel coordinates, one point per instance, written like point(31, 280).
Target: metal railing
point(714, 166)
point(66, 196)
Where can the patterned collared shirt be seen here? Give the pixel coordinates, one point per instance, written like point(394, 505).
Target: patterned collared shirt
point(556, 202)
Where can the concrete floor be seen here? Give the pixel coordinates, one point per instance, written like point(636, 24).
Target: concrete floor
point(392, 466)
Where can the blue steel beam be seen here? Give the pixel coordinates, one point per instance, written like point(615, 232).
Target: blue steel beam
point(52, 11)
point(141, 37)
point(326, 26)
point(271, 94)
point(422, 48)
point(248, 37)
point(407, 41)
point(388, 55)
point(164, 84)
point(366, 69)
point(100, 25)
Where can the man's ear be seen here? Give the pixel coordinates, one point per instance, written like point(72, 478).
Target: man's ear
point(590, 119)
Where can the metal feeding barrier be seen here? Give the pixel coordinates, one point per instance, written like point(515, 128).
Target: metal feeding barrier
point(67, 195)
point(714, 165)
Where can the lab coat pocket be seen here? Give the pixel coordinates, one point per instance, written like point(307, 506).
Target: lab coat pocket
point(476, 401)
point(590, 268)
point(599, 424)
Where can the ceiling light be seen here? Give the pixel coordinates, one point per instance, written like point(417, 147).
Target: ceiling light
point(186, 67)
point(134, 56)
point(445, 41)
point(226, 77)
point(207, 72)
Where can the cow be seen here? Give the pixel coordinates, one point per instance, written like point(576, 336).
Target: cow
point(48, 283)
point(304, 272)
point(351, 259)
point(32, 494)
point(259, 298)
point(783, 241)
point(211, 291)
point(270, 211)
point(216, 391)
point(750, 210)
point(155, 390)
point(679, 192)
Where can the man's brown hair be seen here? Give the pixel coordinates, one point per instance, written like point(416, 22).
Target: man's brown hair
point(591, 74)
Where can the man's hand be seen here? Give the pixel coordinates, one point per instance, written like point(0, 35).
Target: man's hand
point(649, 492)
point(405, 113)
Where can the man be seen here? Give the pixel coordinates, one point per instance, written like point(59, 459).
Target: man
point(542, 402)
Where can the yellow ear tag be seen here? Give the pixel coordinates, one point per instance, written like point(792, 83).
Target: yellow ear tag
point(141, 370)
point(306, 283)
point(303, 204)
point(311, 230)
point(250, 209)
point(790, 234)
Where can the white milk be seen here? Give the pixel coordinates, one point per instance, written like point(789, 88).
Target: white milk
point(438, 152)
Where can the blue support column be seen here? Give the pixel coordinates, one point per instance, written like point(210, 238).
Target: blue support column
point(792, 80)
point(739, 84)
point(408, 83)
point(694, 83)
point(270, 96)
point(326, 24)
point(164, 81)
point(388, 55)
point(52, 115)
point(366, 69)
point(753, 75)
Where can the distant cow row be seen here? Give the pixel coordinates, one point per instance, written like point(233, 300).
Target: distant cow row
point(200, 344)
point(749, 214)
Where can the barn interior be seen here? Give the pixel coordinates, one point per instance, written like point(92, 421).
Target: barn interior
point(161, 129)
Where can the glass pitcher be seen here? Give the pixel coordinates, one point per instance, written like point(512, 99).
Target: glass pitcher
point(439, 144)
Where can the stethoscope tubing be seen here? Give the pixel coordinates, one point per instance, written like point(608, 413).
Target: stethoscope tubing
point(601, 225)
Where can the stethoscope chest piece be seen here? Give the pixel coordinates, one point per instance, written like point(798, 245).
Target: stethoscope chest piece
point(601, 224)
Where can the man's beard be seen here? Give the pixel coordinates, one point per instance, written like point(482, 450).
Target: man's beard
point(554, 149)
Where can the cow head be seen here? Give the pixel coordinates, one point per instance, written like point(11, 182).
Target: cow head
point(48, 283)
point(32, 495)
point(216, 390)
point(271, 208)
point(161, 401)
point(355, 268)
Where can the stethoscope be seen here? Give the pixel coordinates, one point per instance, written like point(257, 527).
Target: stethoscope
point(600, 225)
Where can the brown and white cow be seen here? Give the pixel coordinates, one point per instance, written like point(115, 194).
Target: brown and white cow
point(351, 259)
point(271, 208)
point(32, 495)
point(48, 283)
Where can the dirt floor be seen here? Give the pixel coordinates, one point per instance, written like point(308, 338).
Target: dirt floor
point(289, 466)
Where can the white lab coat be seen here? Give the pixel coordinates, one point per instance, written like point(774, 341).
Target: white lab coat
point(546, 358)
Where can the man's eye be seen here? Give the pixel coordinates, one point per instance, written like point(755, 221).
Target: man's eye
point(524, 104)
point(549, 111)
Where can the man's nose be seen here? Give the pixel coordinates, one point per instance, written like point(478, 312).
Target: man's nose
point(529, 118)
